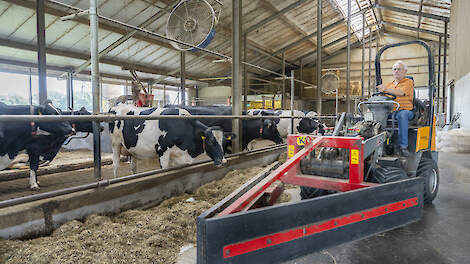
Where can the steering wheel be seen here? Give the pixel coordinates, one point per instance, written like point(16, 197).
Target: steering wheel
point(389, 95)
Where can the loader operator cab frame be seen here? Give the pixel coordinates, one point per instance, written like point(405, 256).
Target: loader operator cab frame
point(423, 111)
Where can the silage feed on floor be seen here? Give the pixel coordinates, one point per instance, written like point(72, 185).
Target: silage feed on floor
point(154, 235)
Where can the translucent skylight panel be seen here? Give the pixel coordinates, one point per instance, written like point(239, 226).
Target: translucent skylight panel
point(356, 21)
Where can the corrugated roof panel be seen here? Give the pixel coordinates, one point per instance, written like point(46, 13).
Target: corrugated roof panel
point(300, 50)
point(70, 37)
point(168, 59)
point(143, 52)
point(304, 16)
point(14, 17)
point(27, 31)
point(4, 6)
point(154, 54)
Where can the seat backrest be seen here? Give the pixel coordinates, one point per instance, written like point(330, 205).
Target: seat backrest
point(414, 93)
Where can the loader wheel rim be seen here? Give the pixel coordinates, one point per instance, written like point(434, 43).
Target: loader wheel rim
point(433, 181)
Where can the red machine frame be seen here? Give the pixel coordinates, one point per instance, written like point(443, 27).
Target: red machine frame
point(289, 171)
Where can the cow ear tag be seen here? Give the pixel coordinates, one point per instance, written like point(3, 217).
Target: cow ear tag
point(203, 137)
point(229, 138)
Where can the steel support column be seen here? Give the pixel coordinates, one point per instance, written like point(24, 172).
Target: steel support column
point(370, 58)
point(301, 76)
point(41, 48)
point(283, 95)
point(439, 76)
point(363, 53)
point(420, 15)
point(69, 91)
point(236, 71)
point(444, 76)
point(183, 77)
point(376, 50)
point(164, 95)
point(348, 65)
point(292, 85)
point(245, 74)
point(95, 85)
point(319, 57)
point(30, 86)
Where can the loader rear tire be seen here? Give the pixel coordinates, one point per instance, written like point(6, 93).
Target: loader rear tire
point(429, 171)
point(309, 192)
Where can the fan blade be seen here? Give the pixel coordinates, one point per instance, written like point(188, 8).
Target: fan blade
point(186, 9)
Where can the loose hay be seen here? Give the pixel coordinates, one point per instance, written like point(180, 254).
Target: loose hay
point(135, 236)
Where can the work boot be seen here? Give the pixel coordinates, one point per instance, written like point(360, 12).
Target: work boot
point(404, 152)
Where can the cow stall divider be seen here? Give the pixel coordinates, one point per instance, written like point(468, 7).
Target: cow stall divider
point(249, 227)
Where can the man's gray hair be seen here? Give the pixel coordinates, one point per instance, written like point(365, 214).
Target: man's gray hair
point(402, 63)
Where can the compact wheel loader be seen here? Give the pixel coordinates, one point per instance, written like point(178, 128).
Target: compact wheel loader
point(353, 183)
point(384, 164)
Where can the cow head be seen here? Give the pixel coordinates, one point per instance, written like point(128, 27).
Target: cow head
point(270, 131)
point(310, 125)
point(212, 139)
point(57, 128)
point(84, 126)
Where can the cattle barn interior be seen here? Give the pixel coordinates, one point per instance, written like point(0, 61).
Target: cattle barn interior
point(217, 131)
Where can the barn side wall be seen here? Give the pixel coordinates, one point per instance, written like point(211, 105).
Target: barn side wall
point(459, 57)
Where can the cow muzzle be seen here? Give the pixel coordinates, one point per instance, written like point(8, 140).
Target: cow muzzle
point(222, 163)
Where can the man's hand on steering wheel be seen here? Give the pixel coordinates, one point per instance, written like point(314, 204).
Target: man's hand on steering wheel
point(381, 88)
point(389, 95)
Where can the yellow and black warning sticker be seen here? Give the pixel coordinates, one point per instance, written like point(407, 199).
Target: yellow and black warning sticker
point(354, 156)
point(290, 151)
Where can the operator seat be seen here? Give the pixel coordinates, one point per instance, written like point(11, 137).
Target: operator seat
point(419, 109)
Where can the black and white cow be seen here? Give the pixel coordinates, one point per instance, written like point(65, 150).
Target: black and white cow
point(252, 128)
point(173, 141)
point(304, 125)
point(40, 140)
point(311, 114)
point(80, 126)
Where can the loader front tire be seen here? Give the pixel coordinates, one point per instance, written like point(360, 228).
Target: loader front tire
point(429, 171)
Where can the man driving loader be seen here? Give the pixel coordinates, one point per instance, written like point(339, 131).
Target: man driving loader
point(403, 88)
